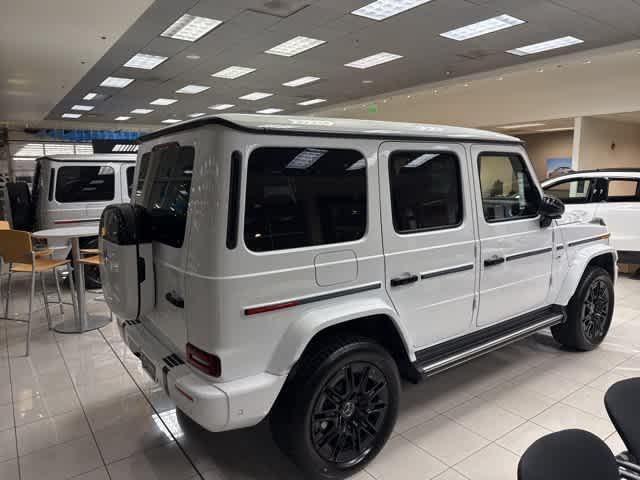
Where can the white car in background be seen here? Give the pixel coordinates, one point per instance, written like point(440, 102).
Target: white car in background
point(610, 194)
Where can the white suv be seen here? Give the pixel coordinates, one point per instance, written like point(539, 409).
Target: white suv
point(298, 267)
point(612, 195)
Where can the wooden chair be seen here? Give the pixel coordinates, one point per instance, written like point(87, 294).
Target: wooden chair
point(16, 249)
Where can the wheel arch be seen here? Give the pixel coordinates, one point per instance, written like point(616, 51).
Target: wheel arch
point(600, 255)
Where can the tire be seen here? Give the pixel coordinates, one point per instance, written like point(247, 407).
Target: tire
point(325, 409)
point(589, 312)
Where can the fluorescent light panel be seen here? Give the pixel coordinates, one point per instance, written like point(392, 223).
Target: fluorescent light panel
point(190, 27)
point(301, 81)
point(268, 111)
point(559, 129)
point(171, 120)
point(381, 9)
point(122, 119)
point(71, 115)
point(222, 106)
point(163, 101)
point(233, 72)
point(90, 96)
point(295, 46)
point(116, 82)
point(193, 89)
point(312, 102)
point(83, 108)
point(373, 60)
point(145, 61)
point(196, 115)
point(306, 158)
point(142, 111)
point(255, 96)
point(545, 46)
point(484, 27)
point(421, 160)
point(522, 125)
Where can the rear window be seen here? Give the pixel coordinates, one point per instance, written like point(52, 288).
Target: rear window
point(300, 197)
point(169, 182)
point(130, 172)
point(623, 191)
point(85, 184)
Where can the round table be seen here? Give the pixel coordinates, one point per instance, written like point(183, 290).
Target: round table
point(85, 321)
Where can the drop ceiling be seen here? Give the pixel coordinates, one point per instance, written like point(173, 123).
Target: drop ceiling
point(249, 27)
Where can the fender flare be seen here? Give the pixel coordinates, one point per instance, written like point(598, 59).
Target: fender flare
point(312, 322)
point(578, 266)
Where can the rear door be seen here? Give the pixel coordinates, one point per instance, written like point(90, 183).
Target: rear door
point(516, 251)
point(164, 189)
point(429, 238)
point(620, 209)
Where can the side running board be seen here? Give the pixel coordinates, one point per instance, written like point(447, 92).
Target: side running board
point(433, 360)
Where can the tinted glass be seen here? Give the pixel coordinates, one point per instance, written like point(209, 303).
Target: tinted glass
point(623, 191)
point(52, 182)
point(170, 191)
point(508, 193)
point(298, 197)
point(130, 173)
point(144, 167)
point(425, 191)
point(571, 191)
point(84, 184)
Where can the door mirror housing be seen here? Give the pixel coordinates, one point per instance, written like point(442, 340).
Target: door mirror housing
point(551, 208)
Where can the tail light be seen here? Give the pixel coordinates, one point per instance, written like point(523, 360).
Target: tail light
point(204, 361)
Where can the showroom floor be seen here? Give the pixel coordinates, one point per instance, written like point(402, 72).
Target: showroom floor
point(81, 407)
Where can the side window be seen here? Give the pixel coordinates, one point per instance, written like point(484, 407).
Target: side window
point(299, 197)
point(52, 182)
point(130, 172)
point(577, 190)
point(425, 191)
point(85, 184)
point(144, 168)
point(623, 191)
point(508, 193)
point(170, 191)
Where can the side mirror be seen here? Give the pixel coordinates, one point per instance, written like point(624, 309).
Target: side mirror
point(550, 209)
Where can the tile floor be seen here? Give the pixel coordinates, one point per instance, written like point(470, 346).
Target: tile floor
point(81, 407)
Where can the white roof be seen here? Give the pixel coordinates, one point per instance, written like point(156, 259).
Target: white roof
point(96, 157)
point(338, 126)
point(609, 172)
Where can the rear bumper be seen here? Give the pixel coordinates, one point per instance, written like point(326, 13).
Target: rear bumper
point(215, 406)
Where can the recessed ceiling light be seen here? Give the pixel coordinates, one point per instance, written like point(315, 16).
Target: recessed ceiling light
point(540, 70)
point(233, 72)
point(193, 89)
point(142, 111)
point(90, 96)
point(312, 102)
point(559, 129)
point(545, 46)
point(587, 62)
point(190, 27)
point(255, 96)
point(300, 81)
point(373, 60)
point(268, 111)
point(83, 108)
point(145, 61)
point(295, 46)
point(163, 101)
point(484, 27)
point(122, 119)
point(500, 78)
point(116, 82)
point(171, 120)
point(222, 106)
point(522, 125)
point(467, 84)
point(196, 115)
point(381, 9)
point(367, 81)
point(193, 57)
point(71, 115)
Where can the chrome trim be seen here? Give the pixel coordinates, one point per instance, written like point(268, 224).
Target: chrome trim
point(604, 236)
point(462, 357)
point(446, 271)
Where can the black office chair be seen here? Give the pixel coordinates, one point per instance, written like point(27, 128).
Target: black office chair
point(622, 402)
point(569, 454)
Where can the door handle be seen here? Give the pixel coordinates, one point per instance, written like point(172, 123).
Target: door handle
point(404, 280)
point(489, 262)
point(172, 298)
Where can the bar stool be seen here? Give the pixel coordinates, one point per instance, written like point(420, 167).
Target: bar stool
point(16, 249)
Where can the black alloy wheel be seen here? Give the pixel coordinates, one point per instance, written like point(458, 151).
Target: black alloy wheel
point(595, 311)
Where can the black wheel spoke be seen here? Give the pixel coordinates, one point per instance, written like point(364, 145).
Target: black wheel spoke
point(333, 396)
point(348, 378)
point(595, 311)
